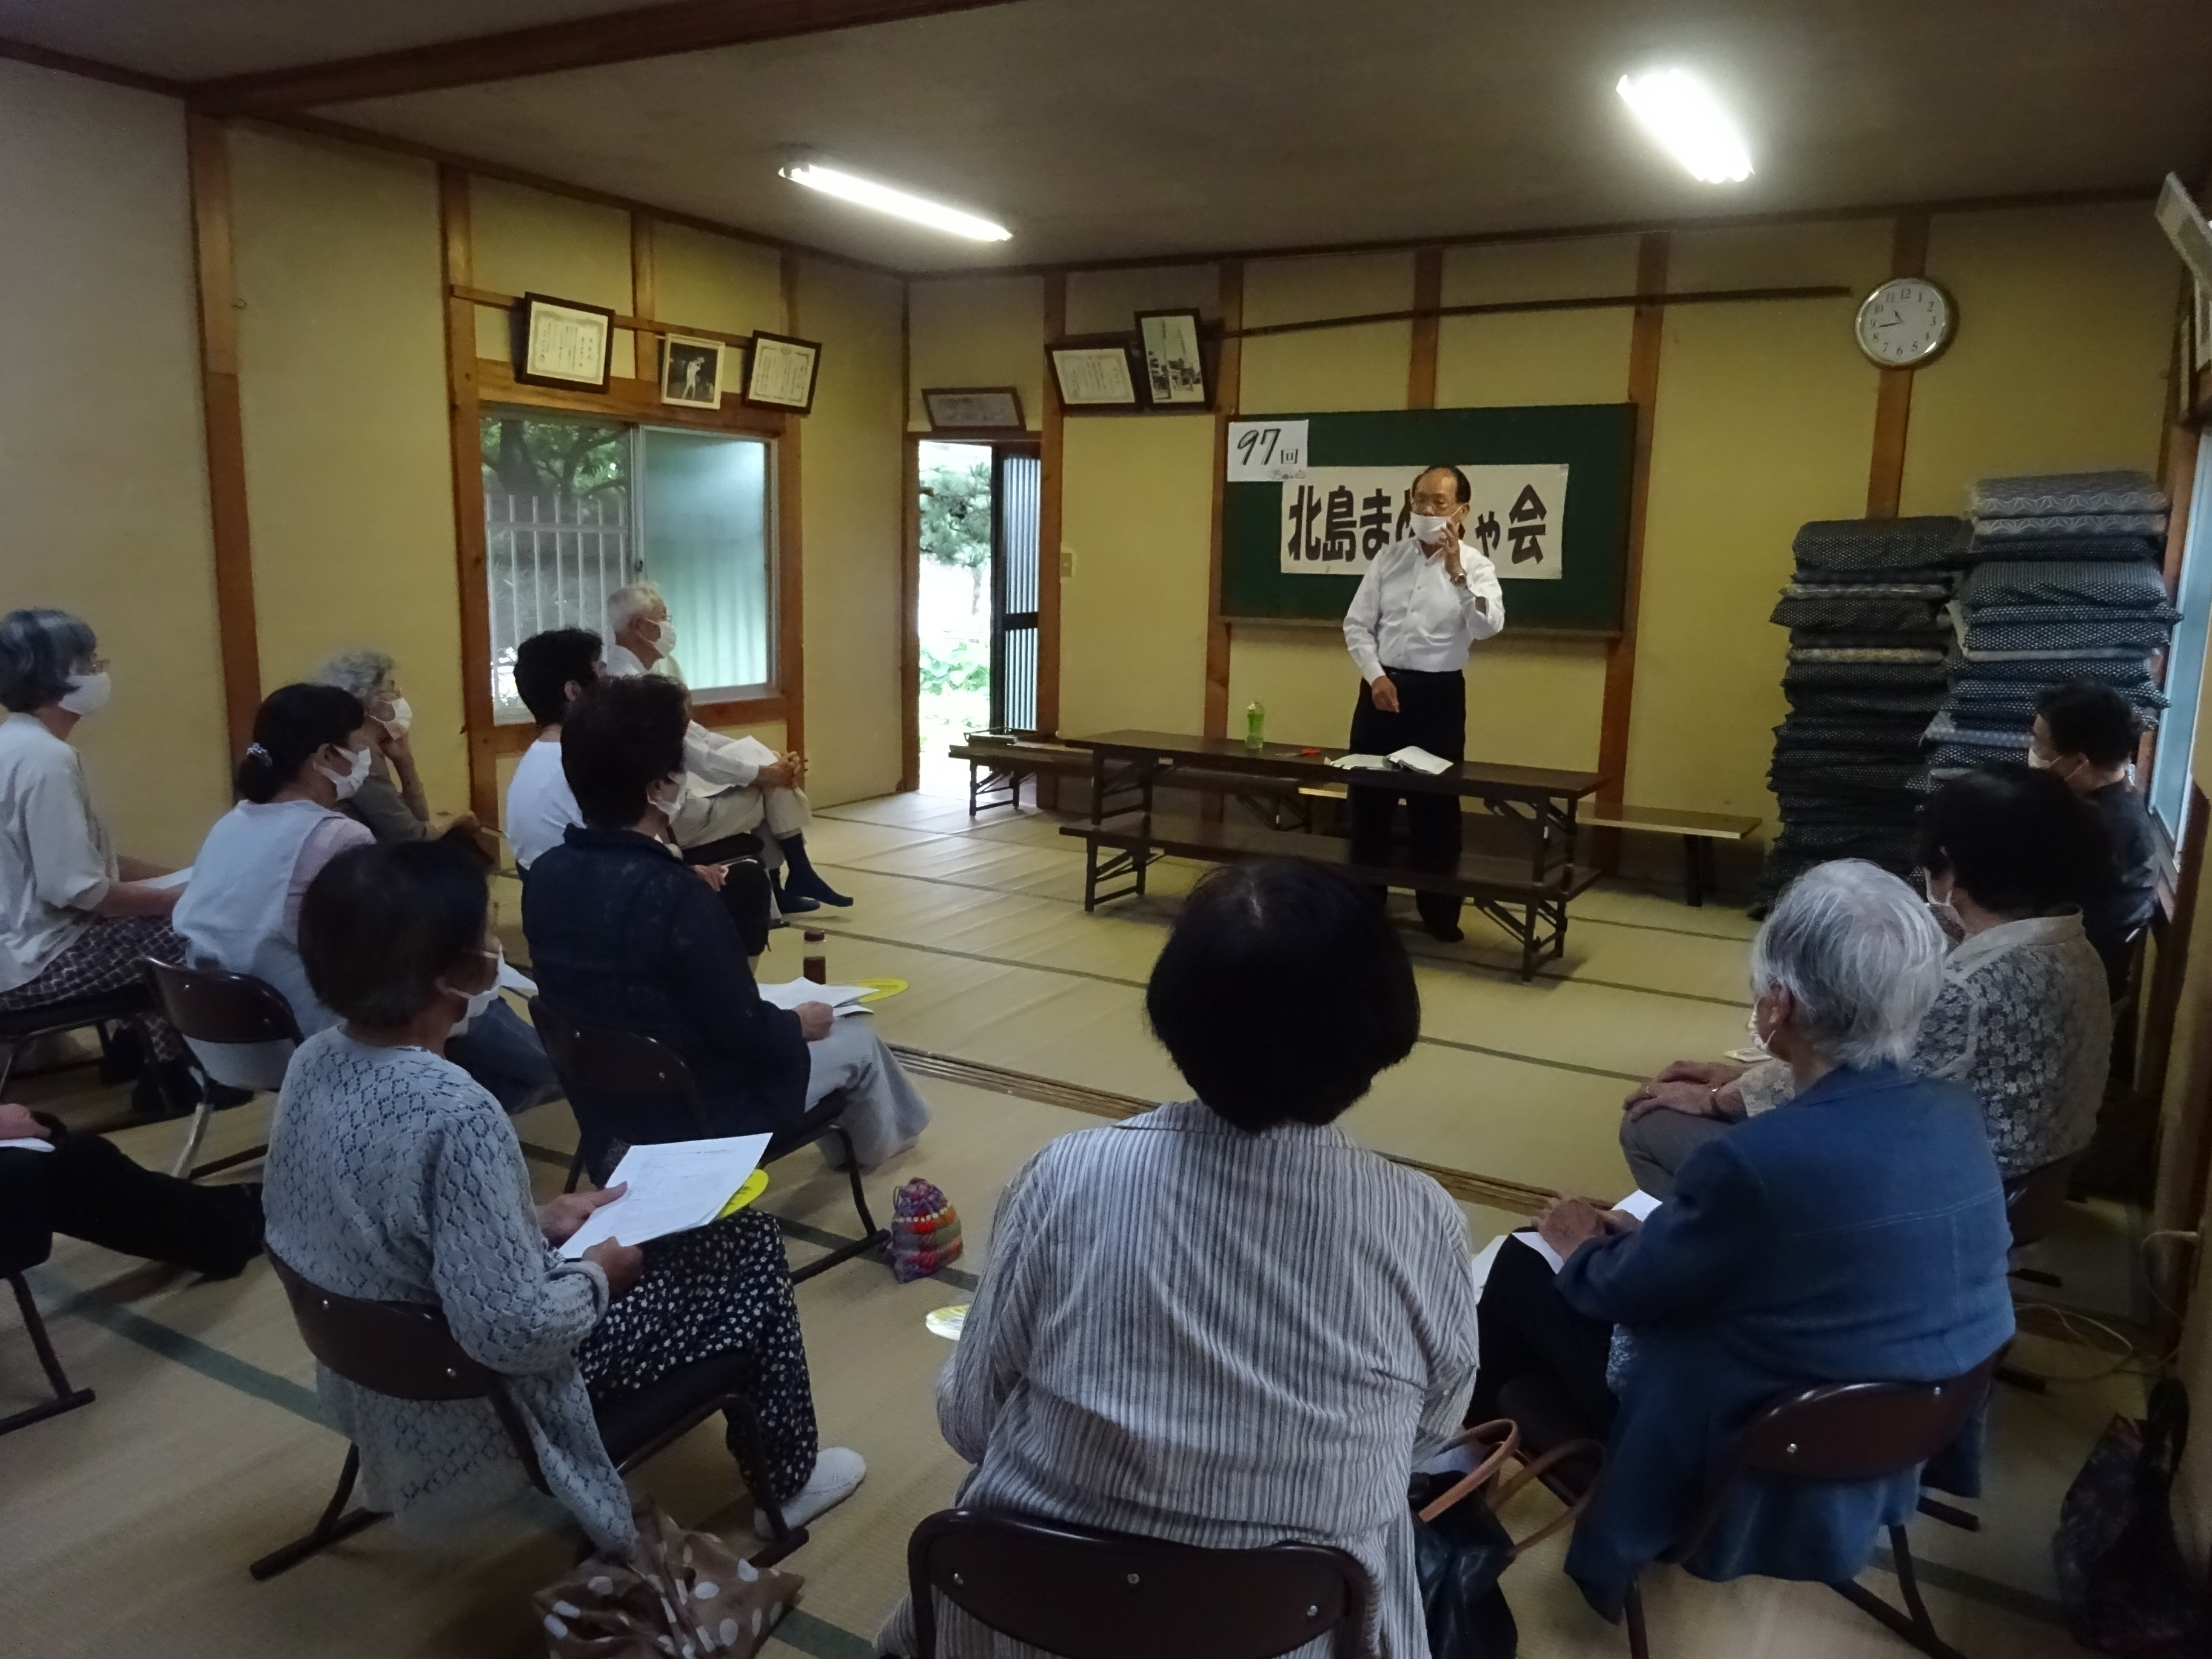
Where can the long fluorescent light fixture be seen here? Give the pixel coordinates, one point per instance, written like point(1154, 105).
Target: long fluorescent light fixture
point(903, 204)
point(1681, 112)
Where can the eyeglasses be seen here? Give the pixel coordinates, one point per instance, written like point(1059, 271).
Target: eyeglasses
point(1438, 504)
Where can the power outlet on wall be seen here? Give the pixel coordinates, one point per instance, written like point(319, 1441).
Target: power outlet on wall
point(1066, 562)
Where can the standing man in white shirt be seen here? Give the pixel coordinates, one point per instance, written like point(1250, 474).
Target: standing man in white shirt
point(1423, 603)
point(749, 787)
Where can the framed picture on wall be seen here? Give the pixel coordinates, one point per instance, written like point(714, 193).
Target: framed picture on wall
point(781, 372)
point(1175, 368)
point(690, 371)
point(1094, 377)
point(974, 408)
point(563, 342)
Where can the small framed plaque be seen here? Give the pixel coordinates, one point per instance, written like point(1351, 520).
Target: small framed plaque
point(781, 371)
point(563, 342)
point(690, 371)
point(1174, 368)
point(1094, 377)
point(974, 408)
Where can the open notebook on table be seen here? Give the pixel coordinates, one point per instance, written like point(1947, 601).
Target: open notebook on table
point(1411, 758)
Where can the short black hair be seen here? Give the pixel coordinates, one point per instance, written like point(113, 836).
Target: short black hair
point(2094, 721)
point(1281, 993)
point(619, 739)
point(381, 926)
point(39, 649)
point(1459, 480)
point(294, 722)
point(546, 664)
point(2018, 840)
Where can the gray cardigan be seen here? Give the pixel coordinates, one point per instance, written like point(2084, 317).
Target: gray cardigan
point(393, 1176)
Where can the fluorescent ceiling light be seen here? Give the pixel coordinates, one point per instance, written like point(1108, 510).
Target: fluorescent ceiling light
point(1681, 112)
point(867, 193)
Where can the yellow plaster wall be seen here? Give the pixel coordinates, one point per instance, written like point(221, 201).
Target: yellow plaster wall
point(530, 241)
point(985, 331)
point(102, 462)
point(711, 282)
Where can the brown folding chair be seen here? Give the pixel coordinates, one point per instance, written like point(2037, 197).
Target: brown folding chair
point(2034, 1203)
point(611, 1077)
point(21, 1027)
point(1090, 1595)
point(1835, 1432)
point(406, 1350)
point(65, 1398)
point(211, 1005)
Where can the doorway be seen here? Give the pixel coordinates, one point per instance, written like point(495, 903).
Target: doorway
point(976, 598)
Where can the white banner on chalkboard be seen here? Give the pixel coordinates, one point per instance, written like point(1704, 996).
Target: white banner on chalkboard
point(1262, 451)
point(1336, 518)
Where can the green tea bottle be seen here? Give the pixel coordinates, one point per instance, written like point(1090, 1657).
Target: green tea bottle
point(1256, 726)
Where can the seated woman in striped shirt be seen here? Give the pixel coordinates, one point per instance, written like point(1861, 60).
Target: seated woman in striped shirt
point(1223, 1322)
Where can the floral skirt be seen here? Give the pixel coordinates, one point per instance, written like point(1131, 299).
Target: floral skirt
point(724, 1289)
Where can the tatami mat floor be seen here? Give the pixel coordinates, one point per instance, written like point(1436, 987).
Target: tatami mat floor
point(125, 1528)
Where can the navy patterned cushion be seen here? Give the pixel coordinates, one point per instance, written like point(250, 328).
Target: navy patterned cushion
point(2040, 494)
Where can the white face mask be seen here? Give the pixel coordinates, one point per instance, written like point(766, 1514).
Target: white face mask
point(401, 718)
point(1946, 912)
point(348, 783)
point(2038, 761)
point(669, 807)
point(87, 693)
point(1427, 526)
point(478, 1000)
point(664, 638)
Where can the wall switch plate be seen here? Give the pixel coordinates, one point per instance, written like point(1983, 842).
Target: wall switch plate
point(1067, 562)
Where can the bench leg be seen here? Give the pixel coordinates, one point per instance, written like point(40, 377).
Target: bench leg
point(1694, 868)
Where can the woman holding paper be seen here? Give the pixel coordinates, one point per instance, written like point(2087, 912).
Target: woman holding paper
point(393, 1177)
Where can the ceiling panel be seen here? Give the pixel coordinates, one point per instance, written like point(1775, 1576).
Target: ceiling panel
point(1115, 128)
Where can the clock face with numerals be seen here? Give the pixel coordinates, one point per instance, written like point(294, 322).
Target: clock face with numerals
point(1905, 322)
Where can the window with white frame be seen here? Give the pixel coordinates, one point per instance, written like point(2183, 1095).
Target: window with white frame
point(576, 507)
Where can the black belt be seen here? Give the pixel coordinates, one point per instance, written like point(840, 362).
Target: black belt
point(1424, 673)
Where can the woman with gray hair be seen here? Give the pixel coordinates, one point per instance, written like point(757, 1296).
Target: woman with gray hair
point(1856, 1233)
point(390, 800)
point(75, 916)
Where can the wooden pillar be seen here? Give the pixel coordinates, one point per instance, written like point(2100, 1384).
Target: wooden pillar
point(1892, 409)
point(464, 418)
point(1226, 376)
point(1049, 511)
point(791, 548)
point(909, 557)
point(207, 142)
point(1428, 294)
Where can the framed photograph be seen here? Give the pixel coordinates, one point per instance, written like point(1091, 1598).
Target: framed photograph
point(974, 408)
point(563, 342)
point(781, 372)
point(690, 371)
point(1094, 377)
point(1175, 368)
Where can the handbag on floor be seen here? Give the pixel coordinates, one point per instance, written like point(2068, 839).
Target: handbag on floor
point(2122, 1583)
point(1461, 1548)
point(679, 1592)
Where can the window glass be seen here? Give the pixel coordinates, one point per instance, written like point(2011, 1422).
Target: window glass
point(703, 510)
point(2184, 673)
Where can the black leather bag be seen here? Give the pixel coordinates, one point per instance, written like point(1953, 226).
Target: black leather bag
point(1461, 1548)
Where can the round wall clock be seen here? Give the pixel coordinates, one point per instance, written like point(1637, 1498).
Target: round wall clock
point(1905, 322)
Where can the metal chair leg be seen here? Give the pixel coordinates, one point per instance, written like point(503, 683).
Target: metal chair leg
point(1639, 1643)
point(1917, 1629)
point(752, 1463)
point(181, 1166)
point(334, 1525)
point(66, 1398)
point(9, 1049)
point(872, 1237)
point(1936, 1510)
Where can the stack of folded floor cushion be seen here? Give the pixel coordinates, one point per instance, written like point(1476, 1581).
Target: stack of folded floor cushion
point(1867, 638)
point(2064, 585)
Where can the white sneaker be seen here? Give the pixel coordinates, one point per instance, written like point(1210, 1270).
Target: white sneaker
point(837, 1473)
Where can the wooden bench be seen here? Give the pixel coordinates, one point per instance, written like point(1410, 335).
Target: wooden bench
point(997, 762)
point(1535, 912)
point(1698, 831)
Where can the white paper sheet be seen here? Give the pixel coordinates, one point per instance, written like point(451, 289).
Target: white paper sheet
point(1640, 1204)
point(174, 878)
point(26, 1143)
point(1414, 758)
point(792, 993)
point(673, 1187)
point(1360, 763)
point(1265, 452)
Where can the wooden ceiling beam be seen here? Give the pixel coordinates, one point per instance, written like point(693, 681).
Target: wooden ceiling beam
point(618, 37)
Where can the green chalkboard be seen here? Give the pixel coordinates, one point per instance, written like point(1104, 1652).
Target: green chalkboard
point(1596, 442)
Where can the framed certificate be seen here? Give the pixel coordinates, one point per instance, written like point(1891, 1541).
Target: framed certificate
point(974, 408)
point(563, 342)
point(781, 371)
point(1094, 377)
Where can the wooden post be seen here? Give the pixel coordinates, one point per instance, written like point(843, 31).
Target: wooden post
point(465, 430)
point(1227, 374)
point(909, 557)
point(791, 548)
point(1049, 510)
point(1428, 294)
point(1892, 409)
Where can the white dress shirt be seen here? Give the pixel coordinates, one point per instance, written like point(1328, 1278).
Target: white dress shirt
point(1409, 614)
point(540, 806)
point(56, 863)
point(719, 761)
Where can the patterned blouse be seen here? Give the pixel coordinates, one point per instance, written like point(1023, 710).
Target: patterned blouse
point(2024, 1021)
point(1220, 1338)
point(393, 1176)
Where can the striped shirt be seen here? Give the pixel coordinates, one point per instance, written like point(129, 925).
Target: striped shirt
point(1225, 1339)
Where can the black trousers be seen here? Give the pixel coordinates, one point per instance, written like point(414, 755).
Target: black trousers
point(1432, 715)
point(1526, 1328)
point(89, 1189)
point(746, 893)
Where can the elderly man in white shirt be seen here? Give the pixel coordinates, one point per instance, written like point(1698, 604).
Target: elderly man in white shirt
point(1423, 603)
point(737, 786)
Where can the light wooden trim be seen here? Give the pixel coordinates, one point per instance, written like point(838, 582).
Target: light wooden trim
point(644, 289)
point(791, 548)
point(616, 37)
point(207, 149)
point(1051, 470)
point(456, 240)
point(1227, 388)
point(1419, 314)
point(909, 557)
point(1892, 409)
point(1645, 338)
point(1428, 296)
point(626, 398)
point(639, 321)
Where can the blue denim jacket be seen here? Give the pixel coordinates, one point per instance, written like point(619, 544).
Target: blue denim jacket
point(1856, 1234)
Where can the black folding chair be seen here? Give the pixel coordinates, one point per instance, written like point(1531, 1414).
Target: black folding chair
point(1090, 1595)
point(211, 1005)
point(21, 1027)
point(2035, 1202)
point(406, 1350)
point(65, 1397)
point(614, 1078)
point(1836, 1431)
